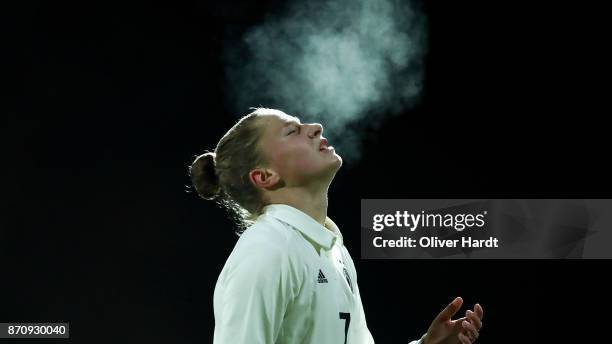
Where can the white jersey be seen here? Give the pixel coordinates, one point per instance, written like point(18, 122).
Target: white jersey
point(289, 280)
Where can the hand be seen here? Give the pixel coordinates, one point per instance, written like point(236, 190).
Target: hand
point(465, 330)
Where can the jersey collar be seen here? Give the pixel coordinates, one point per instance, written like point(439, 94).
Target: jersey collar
point(322, 235)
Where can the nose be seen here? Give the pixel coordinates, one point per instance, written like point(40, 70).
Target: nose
point(314, 130)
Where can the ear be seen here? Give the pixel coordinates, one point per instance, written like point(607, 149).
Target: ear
point(264, 178)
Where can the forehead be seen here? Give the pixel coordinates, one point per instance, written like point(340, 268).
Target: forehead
point(273, 125)
point(277, 121)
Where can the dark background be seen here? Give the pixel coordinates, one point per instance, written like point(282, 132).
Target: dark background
point(107, 103)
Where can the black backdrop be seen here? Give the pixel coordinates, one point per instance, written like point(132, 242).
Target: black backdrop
point(110, 101)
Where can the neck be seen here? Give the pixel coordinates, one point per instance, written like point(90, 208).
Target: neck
point(312, 203)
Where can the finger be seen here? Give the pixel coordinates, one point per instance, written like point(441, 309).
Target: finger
point(460, 320)
point(474, 319)
point(450, 310)
point(464, 339)
point(472, 339)
point(479, 311)
point(472, 331)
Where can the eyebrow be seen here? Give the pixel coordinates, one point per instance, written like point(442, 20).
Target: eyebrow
point(291, 122)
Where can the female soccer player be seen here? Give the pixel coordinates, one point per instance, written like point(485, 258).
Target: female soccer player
point(289, 278)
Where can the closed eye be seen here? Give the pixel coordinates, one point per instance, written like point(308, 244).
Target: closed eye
point(297, 129)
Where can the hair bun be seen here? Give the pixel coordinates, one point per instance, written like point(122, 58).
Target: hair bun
point(203, 176)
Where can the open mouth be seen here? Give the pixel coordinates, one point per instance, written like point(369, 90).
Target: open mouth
point(324, 147)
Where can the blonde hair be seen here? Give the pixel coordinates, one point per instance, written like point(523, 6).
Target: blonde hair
point(223, 175)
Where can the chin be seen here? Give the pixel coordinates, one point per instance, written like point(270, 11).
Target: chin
point(335, 166)
point(338, 161)
point(328, 171)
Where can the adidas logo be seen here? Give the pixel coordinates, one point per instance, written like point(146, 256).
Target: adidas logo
point(322, 278)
